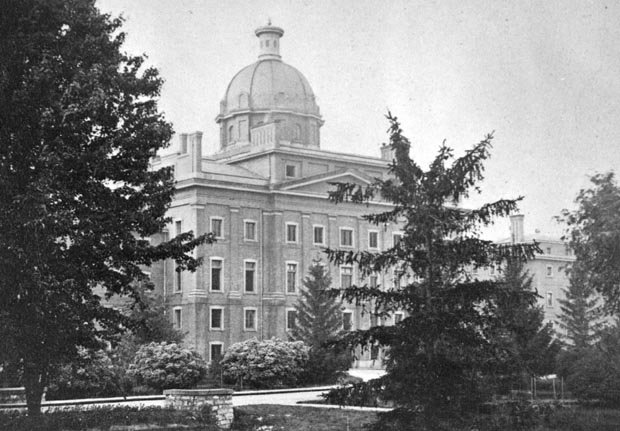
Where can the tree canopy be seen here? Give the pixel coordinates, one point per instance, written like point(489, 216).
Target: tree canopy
point(594, 235)
point(78, 125)
point(436, 355)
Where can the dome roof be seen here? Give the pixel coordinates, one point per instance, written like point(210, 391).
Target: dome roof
point(267, 85)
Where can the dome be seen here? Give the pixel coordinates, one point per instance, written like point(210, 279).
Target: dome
point(269, 84)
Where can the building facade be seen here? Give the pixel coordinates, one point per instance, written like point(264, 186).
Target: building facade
point(264, 195)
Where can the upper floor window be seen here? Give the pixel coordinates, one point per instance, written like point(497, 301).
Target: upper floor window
point(346, 276)
point(291, 319)
point(397, 237)
point(398, 317)
point(297, 131)
point(178, 276)
point(216, 274)
point(346, 237)
point(231, 133)
point(318, 235)
point(290, 171)
point(291, 232)
point(217, 227)
point(548, 250)
point(178, 324)
point(549, 299)
point(249, 319)
point(249, 230)
point(373, 239)
point(291, 277)
point(250, 276)
point(549, 271)
point(217, 318)
point(373, 281)
point(347, 320)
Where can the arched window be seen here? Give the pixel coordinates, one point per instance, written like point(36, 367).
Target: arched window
point(243, 100)
point(231, 132)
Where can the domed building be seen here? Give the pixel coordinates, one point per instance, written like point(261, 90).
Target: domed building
point(264, 195)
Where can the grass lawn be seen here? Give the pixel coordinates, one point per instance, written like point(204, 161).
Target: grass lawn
point(298, 418)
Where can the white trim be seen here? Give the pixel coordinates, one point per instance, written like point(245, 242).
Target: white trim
point(350, 229)
point(286, 264)
point(314, 226)
point(215, 343)
point(325, 179)
point(286, 319)
point(368, 237)
point(340, 274)
point(286, 225)
point(211, 259)
point(349, 312)
point(211, 328)
point(254, 286)
point(178, 323)
point(255, 323)
point(221, 219)
point(245, 223)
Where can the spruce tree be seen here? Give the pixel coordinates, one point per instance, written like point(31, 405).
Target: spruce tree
point(435, 356)
point(318, 322)
point(79, 125)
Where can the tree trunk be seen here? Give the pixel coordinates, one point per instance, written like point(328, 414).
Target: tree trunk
point(34, 383)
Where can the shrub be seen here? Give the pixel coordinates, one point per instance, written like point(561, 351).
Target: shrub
point(167, 365)
point(265, 364)
point(92, 375)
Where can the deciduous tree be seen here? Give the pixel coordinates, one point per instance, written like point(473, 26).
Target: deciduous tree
point(437, 354)
point(78, 126)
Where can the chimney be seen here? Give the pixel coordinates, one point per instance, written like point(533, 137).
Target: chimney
point(516, 228)
point(387, 153)
point(183, 143)
point(195, 148)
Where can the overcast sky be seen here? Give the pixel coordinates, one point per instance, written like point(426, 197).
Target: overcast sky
point(544, 75)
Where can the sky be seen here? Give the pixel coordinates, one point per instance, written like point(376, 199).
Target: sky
point(544, 76)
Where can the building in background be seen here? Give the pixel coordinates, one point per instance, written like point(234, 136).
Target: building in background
point(264, 195)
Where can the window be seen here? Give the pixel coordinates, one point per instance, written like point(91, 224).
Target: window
point(216, 351)
point(398, 275)
point(374, 352)
point(291, 277)
point(318, 235)
point(231, 132)
point(347, 320)
point(249, 230)
point(290, 171)
point(178, 323)
point(217, 318)
point(291, 319)
point(250, 275)
point(549, 271)
point(548, 250)
point(373, 239)
point(297, 132)
point(178, 277)
point(492, 270)
point(373, 281)
point(216, 274)
point(249, 319)
point(291, 232)
point(397, 237)
point(398, 317)
point(549, 299)
point(346, 276)
point(216, 227)
point(346, 237)
point(267, 42)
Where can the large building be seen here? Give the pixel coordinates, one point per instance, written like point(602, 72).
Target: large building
point(264, 195)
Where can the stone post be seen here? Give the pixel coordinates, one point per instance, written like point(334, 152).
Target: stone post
point(220, 401)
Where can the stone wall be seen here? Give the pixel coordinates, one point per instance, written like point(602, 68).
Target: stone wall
point(220, 401)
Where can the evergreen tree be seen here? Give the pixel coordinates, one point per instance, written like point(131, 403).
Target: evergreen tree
point(531, 340)
point(318, 322)
point(582, 314)
point(437, 355)
point(78, 126)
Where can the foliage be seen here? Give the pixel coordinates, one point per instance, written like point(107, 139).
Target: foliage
point(265, 364)
point(594, 235)
point(582, 314)
point(593, 373)
point(91, 376)
point(448, 339)
point(77, 199)
point(166, 366)
point(532, 342)
point(318, 323)
point(104, 418)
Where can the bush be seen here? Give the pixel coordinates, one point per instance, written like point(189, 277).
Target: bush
point(92, 375)
point(265, 364)
point(166, 366)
